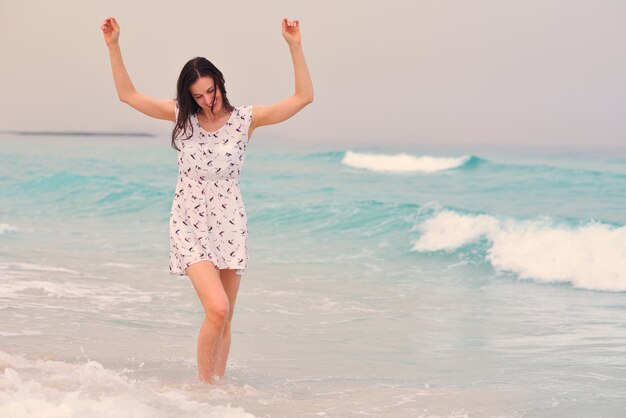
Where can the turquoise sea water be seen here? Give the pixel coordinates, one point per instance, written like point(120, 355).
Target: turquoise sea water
point(387, 281)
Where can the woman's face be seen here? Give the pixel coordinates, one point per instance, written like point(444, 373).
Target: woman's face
point(204, 91)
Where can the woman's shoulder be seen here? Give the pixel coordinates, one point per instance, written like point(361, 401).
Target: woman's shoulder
point(244, 112)
point(243, 108)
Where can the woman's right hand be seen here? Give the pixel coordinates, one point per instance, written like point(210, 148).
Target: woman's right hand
point(111, 31)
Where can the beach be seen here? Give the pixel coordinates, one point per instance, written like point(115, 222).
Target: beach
point(383, 281)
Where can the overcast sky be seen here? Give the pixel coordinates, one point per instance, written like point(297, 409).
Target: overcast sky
point(458, 72)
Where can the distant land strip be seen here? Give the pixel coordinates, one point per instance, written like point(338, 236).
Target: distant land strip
point(77, 133)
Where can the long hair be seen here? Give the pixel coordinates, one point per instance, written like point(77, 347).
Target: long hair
point(194, 69)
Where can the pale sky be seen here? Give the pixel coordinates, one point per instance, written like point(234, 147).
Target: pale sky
point(459, 72)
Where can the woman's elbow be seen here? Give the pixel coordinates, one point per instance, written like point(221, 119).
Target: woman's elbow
point(127, 96)
point(308, 99)
point(300, 101)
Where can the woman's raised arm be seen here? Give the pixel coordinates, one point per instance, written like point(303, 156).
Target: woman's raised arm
point(303, 94)
point(156, 108)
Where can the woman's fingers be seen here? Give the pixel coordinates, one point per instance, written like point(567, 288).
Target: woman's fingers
point(110, 24)
point(290, 24)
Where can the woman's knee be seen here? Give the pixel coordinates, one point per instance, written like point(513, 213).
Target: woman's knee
point(217, 311)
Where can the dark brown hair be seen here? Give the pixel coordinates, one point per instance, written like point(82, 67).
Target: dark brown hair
point(194, 69)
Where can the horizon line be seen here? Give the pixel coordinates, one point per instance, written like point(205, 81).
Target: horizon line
point(79, 133)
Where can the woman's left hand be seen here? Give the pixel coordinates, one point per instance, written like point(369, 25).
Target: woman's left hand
point(291, 31)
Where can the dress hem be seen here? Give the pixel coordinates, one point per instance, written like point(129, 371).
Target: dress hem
point(239, 270)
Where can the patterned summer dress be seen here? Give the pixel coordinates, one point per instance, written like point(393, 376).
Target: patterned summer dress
point(208, 220)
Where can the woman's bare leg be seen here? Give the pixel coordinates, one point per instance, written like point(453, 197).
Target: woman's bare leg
point(230, 282)
point(206, 280)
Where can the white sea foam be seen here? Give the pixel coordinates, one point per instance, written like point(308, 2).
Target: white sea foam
point(109, 295)
point(48, 388)
point(590, 256)
point(43, 284)
point(4, 228)
point(19, 334)
point(34, 267)
point(119, 265)
point(402, 162)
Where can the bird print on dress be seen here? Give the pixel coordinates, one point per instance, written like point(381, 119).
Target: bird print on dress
point(208, 219)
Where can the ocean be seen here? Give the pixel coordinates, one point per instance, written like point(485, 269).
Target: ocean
point(383, 281)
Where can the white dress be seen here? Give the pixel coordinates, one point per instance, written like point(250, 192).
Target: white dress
point(208, 220)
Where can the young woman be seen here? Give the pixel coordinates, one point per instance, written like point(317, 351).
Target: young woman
point(208, 223)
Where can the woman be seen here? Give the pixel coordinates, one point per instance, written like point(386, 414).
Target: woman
point(208, 223)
